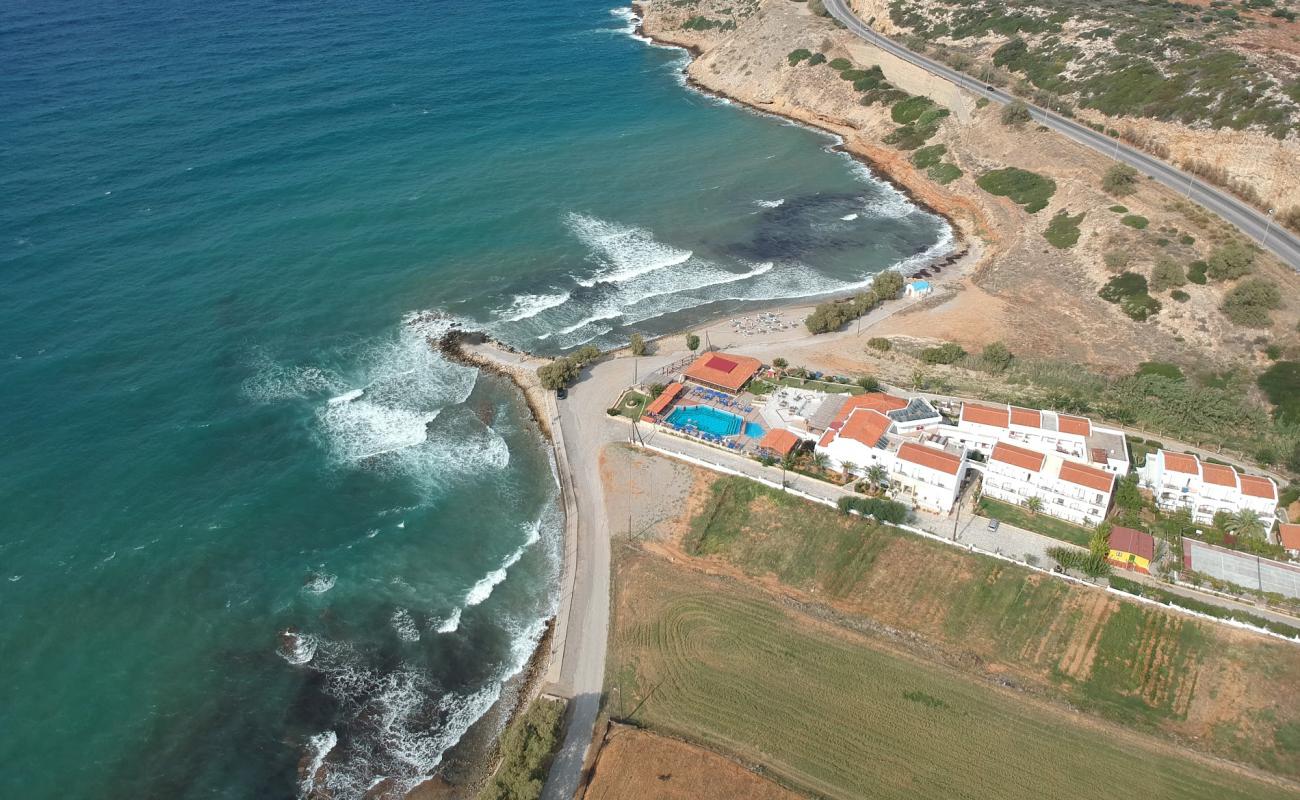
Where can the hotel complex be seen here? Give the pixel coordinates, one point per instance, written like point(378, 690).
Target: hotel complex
point(1183, 481)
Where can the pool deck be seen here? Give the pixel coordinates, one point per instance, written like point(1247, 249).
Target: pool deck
point(744, 405)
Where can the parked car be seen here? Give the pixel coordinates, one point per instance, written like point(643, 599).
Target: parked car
point(993, 524)
point(561, 393)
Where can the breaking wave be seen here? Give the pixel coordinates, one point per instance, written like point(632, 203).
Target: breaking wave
point(482, 590)
point(319, 583)
point(450, 624)
point(404, 625)
point(770, 203)
point(526, 306)
point(621, 252)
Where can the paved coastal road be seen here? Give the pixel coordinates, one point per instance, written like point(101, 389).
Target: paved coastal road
point(1252, 222)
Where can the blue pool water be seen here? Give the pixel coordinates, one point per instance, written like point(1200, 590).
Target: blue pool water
point(714, 421)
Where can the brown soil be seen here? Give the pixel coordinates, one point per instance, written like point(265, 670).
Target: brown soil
point(642, 765)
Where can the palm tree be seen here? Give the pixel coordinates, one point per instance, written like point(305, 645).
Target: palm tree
point(1034, 505)
point(820, 460)
point(847, 468)
point(1246, 525)
point(787, 462)
point(877, 475)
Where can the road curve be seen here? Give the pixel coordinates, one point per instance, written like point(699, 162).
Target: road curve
point(1250, 221)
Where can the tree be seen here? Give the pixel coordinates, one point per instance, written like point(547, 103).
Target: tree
point(820, 460)
point(692, 342)
point(559, 373)
point(848, 468)
point(586, 353)
point(880, 343)
point(946, 353)
point(877, 476)
point(1230, 261)
point(1247, 526)
point(1099, 542)
point(886, 285)
point(996, 356)
point(638, 345)
point(1016, 113)
point(1120, 180)
point(1250, 301)
point(1127, 495)
point(1166, 274)
point(1033, 505)
point(780, 363)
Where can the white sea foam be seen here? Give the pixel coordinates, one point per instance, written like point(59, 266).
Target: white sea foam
point(482, 590)
point(451, 623)
point(527, 306)
point(319, 583)
point(346, 397)
point(770, 203)
point(297, 648)
point(319, 746)
point(849, 217)
point(274, 382)
point(404, 625)
point(622, 252)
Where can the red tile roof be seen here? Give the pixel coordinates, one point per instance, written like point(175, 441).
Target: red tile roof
point(929, 457)
point(665, 398)
point(1017, 456)
point(1128, 540)
point(875, 401)
point(1219, 475)
point(1258, 487)
point(866, 426)
point(1178, 462)
point(1089, 477)
point(1077, 426)
point(1026, 417)
point(729, 372)
point(779, 441)
point(985, 415)
point(1289, 533)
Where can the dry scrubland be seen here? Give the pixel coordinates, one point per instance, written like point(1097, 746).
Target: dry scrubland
point(1041, 298)
point(854, 661)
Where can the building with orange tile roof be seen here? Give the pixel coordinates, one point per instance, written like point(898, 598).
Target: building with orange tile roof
point(1066, 489)
point(1182, 481)
point(982, 425)
point(779, 442)
point(660, 404)
point(1131, 549)
point(728, 373)
point(1288, 535)
point(930, 477)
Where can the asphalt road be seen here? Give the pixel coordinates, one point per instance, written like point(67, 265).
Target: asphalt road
point(1250, 221)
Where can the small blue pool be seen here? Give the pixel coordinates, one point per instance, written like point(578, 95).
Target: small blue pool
point(714, 421)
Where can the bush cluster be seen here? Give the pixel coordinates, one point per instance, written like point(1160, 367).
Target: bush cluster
point(946, 353)
point(526, 750)
point(1231, 261)
point(890, 511)
point(1029, 189)
point(1120, 180)
point(1250, 301)
point(1063, 230)
point(565, 370)
point(1129, 290)
point(1090, 564)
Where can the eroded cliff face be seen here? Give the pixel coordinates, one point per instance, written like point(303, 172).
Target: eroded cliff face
point(1042, 298)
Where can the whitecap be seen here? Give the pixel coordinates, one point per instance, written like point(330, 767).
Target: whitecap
point(770, 203)
point(319, 746)
point(450, 624)
point(527, 306)
point(319, 583)
point(346, 397)
point(482, 590)
point(849, 217)
point(405, 626)
point(623, 252)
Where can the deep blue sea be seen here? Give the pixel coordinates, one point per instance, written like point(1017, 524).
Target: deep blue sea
point(249, 520)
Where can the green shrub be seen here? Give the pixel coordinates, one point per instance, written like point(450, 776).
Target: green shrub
point(1119, 209)
point(996, 357)
point(1187, 239)
point(1129, 290)
point(928, 156)
point(817, 58)
point(884, 510)
point(1090, 564)
point(982, 102)
point(887, 284)
point(637, 344)
point(852, 75)
point(1015, 114)
point(1180, 296)
point(1063, 230)
point(944, 173)
point(1281, 385)
point(946, 353)
point(1250, 301)
point(839, 64)
point(1022, 186)
point(798, 55)
point(1120, 180)
point(1167, 274)
point(1231, 261)
point(1196, 272)
point(1162, 368)
point(1135, 221)
point(910, 110)
point(1273, 351)
point(527, 747)
point(880, 343)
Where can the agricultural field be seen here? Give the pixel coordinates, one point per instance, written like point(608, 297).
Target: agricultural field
point(637, 763)
point(838, 714)
point(1148, 669)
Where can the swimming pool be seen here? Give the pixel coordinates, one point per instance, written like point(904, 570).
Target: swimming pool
point(712, 420)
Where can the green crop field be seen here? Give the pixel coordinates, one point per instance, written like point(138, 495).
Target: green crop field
point(1142, 666)
point(838, 715)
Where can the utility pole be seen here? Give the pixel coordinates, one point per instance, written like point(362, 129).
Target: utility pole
point(1268, 227)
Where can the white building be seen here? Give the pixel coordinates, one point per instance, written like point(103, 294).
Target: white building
point(932, 477)
point(1183, 481)
point(1069, 490)
point(981, 426)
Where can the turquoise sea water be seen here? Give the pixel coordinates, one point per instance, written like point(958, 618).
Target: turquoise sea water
point(248, 519)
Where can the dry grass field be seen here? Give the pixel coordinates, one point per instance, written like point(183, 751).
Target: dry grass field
point(640, 764)
point(1207, 685)
point(836, 713)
